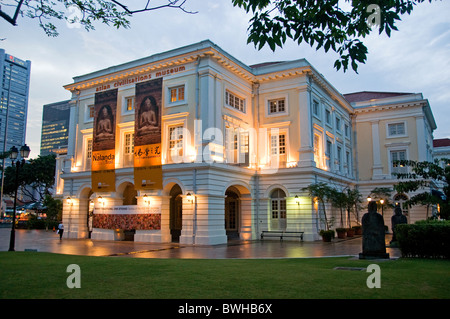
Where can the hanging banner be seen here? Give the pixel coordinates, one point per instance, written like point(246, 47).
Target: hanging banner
point(104, 141)
point(147, 135)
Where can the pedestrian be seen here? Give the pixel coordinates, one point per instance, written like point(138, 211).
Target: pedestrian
point(60, 230)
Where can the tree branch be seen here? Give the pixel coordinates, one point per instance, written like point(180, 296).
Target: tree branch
point(12, 20)
point(171, 4)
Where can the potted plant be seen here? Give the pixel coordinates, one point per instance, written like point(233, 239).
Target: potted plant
point(341, 232)
point(327, 235)
point(350, 232)
point(358, 229)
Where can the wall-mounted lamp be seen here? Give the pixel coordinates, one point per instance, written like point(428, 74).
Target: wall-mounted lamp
point(190, 198)
point(69, 201)
point(101, 200)
point(297, 199)
point(146, 200)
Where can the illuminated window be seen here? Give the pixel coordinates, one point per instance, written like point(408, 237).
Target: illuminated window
point(235, 101)
point(89, 149)
point(175, 143)
point(177, 94)
point(91, 111)
point(397, 168)
point(277, 106)
point(129, 104)
point(129, 143)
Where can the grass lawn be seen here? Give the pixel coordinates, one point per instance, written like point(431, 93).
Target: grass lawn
point(34, 275)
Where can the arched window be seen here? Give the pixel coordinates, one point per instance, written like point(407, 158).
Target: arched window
point(278, 209)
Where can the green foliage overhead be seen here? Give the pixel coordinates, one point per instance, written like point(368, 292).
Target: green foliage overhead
point(425, 176)
point(329, 24)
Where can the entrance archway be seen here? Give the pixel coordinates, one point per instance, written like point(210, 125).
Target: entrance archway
point(232, 213)
point(176, 212)
point(129, 195)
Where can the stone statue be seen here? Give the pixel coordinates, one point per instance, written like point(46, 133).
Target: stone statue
point(373, 234)
point(397, 218)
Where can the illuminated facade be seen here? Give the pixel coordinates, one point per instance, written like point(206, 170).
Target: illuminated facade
point(236, 146)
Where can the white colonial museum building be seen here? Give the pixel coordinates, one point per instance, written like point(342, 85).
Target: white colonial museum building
point(194, 146)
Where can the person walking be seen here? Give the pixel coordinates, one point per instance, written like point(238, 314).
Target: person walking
point(60, 230)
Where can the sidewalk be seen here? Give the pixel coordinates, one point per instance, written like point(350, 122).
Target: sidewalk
point(48, 241)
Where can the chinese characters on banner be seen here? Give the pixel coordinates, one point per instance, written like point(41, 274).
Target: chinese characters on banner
point(103, 148)
point(147, 135)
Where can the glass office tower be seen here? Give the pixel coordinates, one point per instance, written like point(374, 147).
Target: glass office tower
point(15, 83)
point(55, 127)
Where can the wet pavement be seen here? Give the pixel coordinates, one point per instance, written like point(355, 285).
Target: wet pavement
point(48, 241)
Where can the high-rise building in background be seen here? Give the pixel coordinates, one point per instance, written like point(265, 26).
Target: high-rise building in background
point(55, 127)
point(15, 83)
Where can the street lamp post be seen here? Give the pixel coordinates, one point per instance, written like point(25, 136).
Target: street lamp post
point(24, 152)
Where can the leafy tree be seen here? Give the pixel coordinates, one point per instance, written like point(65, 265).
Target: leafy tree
point(353, 201)
point(35, 178)
point(329, 24)
point(89, 11)
point(53, 208)
point(321, 192)
point(424, 176)
point(338, 199)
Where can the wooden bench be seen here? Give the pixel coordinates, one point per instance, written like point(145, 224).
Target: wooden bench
point(281, 234)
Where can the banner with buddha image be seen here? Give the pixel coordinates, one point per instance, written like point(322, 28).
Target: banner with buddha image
point(104, 141)
point(147, 135)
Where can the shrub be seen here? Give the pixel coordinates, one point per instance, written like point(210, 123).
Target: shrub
point(424, 239)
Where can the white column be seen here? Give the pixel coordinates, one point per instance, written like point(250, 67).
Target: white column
point(306, 151)
point(377, 169)
point(421, 140)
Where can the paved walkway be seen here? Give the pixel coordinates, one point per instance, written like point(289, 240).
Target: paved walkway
point(48, 241)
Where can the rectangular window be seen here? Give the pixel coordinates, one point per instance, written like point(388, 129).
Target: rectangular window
point(328, 154)
point(175, 144)
point(346, 130)
point(339, 158)
point(398, 156)
point(338, 123)
point(316, 108)
point(89, 149)
point(278, 144)
point(91, 111)
point(277, 106)
point(234, 101)
point(88, 160)
point(347, 161)
point(177, 94)
point(129, 143)
point(396, 129)
point(328, 116)
point(128, 150)
point(129, 104)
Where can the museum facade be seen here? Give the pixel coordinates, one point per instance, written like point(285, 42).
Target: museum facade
point(193, 146)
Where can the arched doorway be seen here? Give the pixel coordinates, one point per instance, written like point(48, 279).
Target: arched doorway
point(232, 213)
point(176, 212)
point(278, 209)
point(129, 195)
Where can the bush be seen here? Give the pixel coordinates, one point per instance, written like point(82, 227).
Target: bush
point(424, 239)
